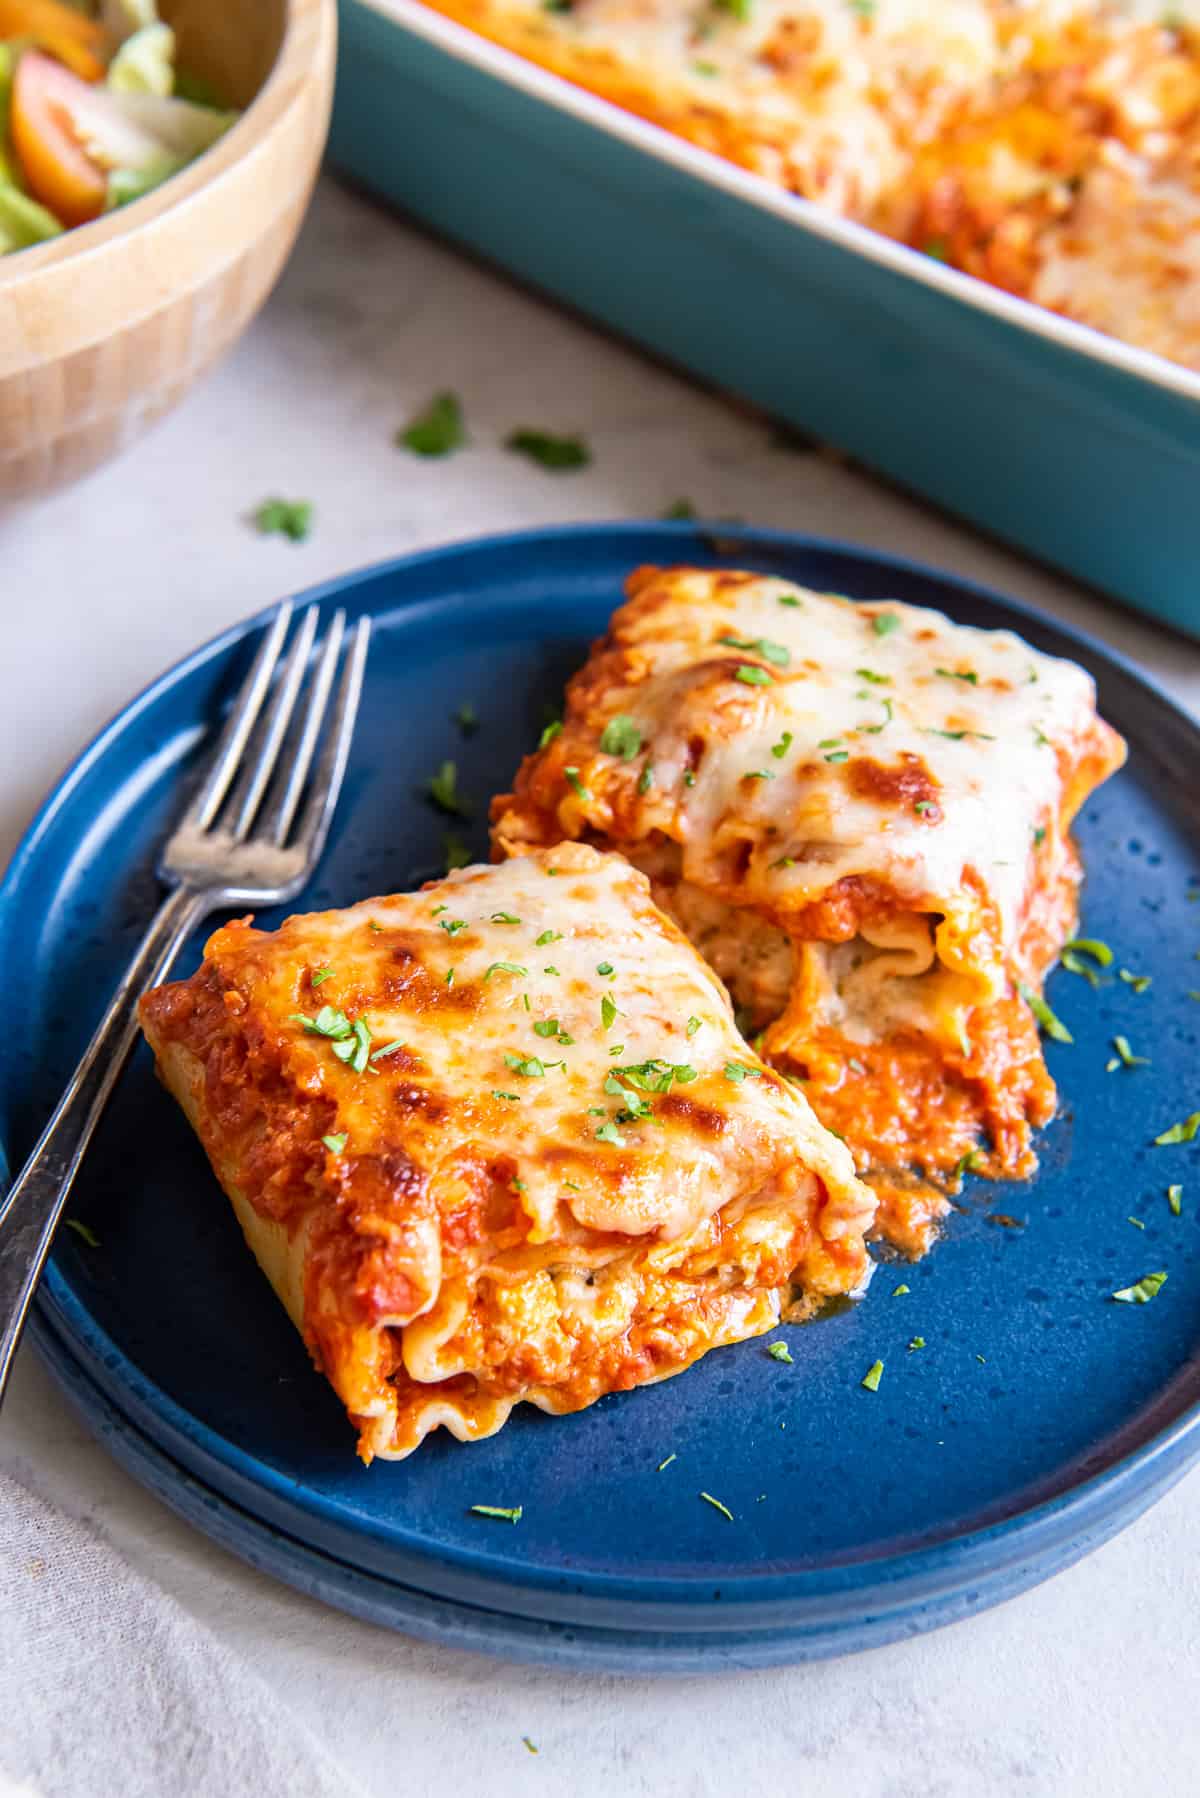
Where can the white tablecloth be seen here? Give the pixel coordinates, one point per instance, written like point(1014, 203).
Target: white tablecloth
point(1088, 1685)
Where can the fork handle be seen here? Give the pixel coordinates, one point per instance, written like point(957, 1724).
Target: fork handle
point(31, 1211)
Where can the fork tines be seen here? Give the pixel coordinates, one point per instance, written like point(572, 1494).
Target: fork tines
point(262, 782)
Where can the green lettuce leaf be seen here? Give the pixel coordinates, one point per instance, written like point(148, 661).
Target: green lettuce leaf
point(145, 63)
point(22, 221)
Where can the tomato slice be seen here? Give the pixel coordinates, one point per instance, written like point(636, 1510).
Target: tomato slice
point(69, 35)
point(57, 169)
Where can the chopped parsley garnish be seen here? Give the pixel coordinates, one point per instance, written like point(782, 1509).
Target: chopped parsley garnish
point(609, 1133)
point(557, 454)
point(549, 732)
point(1089, 945)
point(898, 1291)
point(958, 736)
point(779, 1351)
point(1142, 1291)
point(916, 1342)
point(505, 917)
point(923, 807)
point(789, 599)
point(665, 1464)
point(549, 6)
point(884, 623)
point(546, 1027)
point(873, 730)
point(290, 518)
point(621, 736)
point(1184, 1132)
point(775, 653)
point(838, 755)
point(646, 778)
point(1052, 1025)
point(689, 779)
point(1136, 1222)
point(1040, 738)
point(437, 431)
point(1039, 836)
point(549, 970)
point(736, 1072)
point(608, 1012)
point(506, 967)
point(320, 975)
point(1139, 982)
point(617, 1049)
point(335, 1144)
point(606, 969)
point(873, 1376)
point(876, 680)
point(1175, 1199)
point(1073, 965)
point(452, 926)
point(678, 508)
point(392, 1048)
point(759, 774)
point(571, 776)
point(513, 1098)
point(455, 853)
point(693, 1024)
point(443, 790)
point(752, 676)
point(717, 1505)
point(377, 928)
point(83, 1230)
point(527, 1065)
point(780, 749)
point(1125, 1056)
point(651, 1076)
point(967, 675)
point(507, 1513)
point(966, 1164)
point(864, 8)
point(329, 1022)
point(449, 976)
point(547, 936)
point(467, 719)
point(355, 1050)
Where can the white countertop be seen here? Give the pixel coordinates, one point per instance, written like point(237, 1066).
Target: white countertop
point(1090, 1684)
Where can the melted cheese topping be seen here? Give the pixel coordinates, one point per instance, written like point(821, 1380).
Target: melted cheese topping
point(859, 813)
point(548, 1167)
point(982, 131)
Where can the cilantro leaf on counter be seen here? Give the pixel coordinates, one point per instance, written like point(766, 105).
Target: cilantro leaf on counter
point(556, 454)
point(290, 518)
point(439, 430)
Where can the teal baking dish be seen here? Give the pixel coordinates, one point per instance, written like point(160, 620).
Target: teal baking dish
point(1073, 446)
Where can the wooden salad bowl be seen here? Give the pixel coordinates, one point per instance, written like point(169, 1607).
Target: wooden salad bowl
point(104, 329)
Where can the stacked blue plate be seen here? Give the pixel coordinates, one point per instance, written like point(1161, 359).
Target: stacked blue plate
point(1038, 1418)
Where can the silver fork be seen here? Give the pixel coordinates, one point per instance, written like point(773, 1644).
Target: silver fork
point(251, 836)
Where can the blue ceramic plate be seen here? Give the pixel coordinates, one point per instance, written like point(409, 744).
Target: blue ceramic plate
point(1038, 1418)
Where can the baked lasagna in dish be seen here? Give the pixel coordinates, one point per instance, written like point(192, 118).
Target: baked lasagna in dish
point(1050, 147)
point(501, 1140)
point(859, 814)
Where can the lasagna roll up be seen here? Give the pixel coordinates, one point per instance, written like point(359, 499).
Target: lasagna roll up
point(500, 1140)
point(859, 814)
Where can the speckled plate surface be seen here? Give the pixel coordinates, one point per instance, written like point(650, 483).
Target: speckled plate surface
point(1039, 1417)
